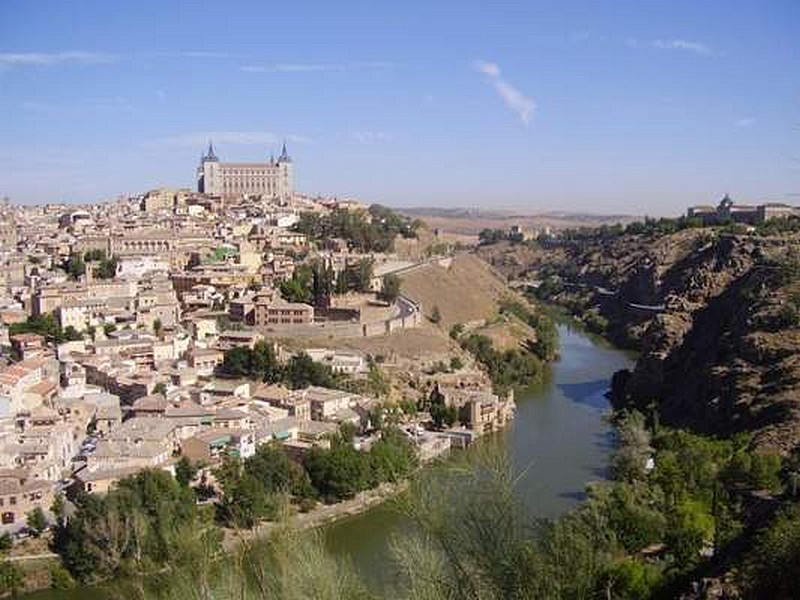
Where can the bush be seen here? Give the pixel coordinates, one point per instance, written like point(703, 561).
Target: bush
point(60, 579)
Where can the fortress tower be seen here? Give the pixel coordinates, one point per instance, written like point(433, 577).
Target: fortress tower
point(272, 179)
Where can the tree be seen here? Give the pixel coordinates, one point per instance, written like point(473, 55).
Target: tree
point(58, 508)
point(144, 523)
point(263, 362)
point(6, 542)
point(160, 388)
point(299, 287)
point(75, 267)
point(301, 371)
point(11, 578)
point(157, 325)
point(771, 568)
point(71, 334)
point(271, 466)
point(391, 288)
point(37, 521)
point(185, 471)
point(629, 462)
point(107, 268)
point(338, 473)
point(441, 414)
point(236, 362)
point(436, 315)
point(392, 457)
point(322, 284)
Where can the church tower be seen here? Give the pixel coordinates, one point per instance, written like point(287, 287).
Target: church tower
point(207, 172)
point(285, 175)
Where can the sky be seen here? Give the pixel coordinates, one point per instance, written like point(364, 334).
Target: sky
point(624, 106)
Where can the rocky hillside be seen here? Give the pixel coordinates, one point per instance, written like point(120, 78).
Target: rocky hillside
point(715, 315)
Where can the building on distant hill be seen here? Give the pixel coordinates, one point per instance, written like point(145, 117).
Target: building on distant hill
point(727, 211)
point(272, 179)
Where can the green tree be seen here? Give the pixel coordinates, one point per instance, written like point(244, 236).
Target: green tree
point(11, 578)
point(37, 521)
point(322, 284)
point(392, 457)
point(442, 415)
point(301, 371)
point(299, 287)
point(75, 267)
point(391, 288)
point(70, 334)
point(634, 449)
point(60, 579)
point(689, 527)
point(236, 362)
point(107, 268)
point(771, 568)
point(338, 473)
point(264, 364)
point(185, 471)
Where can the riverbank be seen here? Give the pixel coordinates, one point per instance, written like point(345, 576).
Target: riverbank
point(324, 514)
point(559, 442)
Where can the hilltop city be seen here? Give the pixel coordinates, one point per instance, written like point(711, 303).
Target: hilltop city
point(181, 326)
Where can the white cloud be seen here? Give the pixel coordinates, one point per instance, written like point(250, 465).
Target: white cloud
point(698, 48)
point(207, 54)
point(487, 68)
point(514, 99)
point(45, 59)
point(371, 137)
point(316, 67)
point(745, 122)
point(233, 138)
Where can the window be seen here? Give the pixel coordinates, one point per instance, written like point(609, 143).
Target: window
point(13, 500)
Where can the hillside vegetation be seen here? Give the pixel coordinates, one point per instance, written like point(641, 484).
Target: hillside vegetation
point(714, 313)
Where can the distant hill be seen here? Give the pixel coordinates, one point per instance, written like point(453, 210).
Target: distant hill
point(465, 224)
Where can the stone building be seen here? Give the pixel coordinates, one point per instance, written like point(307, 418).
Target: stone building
point(272, 179)
point(728, 211)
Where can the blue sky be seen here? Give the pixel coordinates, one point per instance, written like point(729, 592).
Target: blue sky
point(628, 106)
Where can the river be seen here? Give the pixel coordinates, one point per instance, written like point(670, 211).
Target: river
point(559, 438)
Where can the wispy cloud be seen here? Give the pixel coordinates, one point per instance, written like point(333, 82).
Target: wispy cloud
point(514, 99)
point(371, 137)
point(234, 138)
point(207, 54)
point(698, 48)
point(316, 67)
point(46, 59)
point(745, 122)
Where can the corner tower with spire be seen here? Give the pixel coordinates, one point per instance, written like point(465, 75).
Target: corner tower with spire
point(272, 179)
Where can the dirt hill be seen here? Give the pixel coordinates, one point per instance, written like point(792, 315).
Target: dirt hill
point(465, 292)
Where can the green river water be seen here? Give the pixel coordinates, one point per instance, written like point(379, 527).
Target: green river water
point(559, 438)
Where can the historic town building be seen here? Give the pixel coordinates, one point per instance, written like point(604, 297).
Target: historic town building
point(272, 179)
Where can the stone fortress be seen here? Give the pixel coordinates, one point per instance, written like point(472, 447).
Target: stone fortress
point(271, 179)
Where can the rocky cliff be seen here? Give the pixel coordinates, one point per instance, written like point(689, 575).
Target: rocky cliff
point(716, 318)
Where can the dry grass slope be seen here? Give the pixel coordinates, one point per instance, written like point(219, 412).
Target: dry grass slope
point(465, 292)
